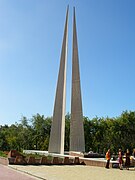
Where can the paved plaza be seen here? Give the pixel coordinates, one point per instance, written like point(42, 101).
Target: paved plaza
point(7, 173)
point(78, 172)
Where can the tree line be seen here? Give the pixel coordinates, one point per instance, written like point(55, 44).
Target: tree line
point(100, 133)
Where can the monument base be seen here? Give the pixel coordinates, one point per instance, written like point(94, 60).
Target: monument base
point(99, 162)
point(74, 153)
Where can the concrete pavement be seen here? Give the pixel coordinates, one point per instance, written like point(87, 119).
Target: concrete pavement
point(6, 173)
point(77, 172)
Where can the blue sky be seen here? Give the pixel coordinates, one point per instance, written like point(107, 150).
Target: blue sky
point(31, 33)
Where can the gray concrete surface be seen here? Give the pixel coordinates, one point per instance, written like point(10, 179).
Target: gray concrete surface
point(56, 142)
point(77, 172)
point(77, 142)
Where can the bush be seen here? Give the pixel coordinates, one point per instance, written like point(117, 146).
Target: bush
point(2, 154)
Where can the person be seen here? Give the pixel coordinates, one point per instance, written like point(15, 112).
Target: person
point(127, 162)
point(120, 159)
point(133, 153)
point(133, 158)
point(108, 157)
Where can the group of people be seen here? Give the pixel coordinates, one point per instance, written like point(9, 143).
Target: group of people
point(120, 158)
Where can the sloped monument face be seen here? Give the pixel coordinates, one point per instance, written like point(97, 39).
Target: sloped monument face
point(56, 142)
point(77, 142)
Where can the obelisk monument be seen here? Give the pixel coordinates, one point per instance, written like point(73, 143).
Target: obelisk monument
point(77, 142)
point(56, 142)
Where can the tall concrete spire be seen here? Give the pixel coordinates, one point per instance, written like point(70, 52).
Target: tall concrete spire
point(77, 142)
point(56, 142)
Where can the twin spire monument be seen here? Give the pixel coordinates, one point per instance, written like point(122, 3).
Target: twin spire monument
point(56, 142)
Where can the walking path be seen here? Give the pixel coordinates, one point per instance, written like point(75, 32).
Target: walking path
point(6, 173)
point(76, 172)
